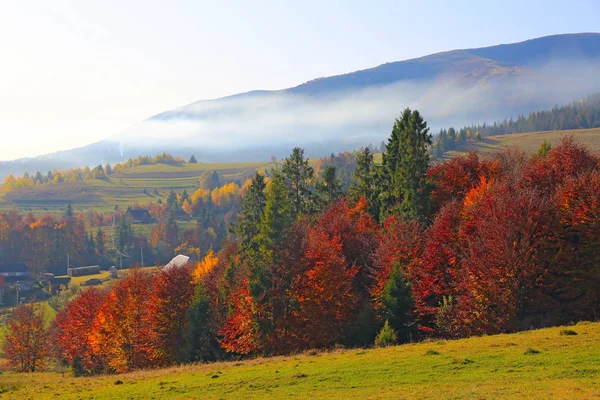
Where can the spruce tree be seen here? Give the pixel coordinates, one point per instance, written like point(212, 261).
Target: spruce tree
point(278, 214)
point(405, 166)
point(365, 182)
point(200, 342)
point(398, 303)
point(69, 212)
point(298, 175)
point(329, 187)
point(544, 149)
point(253, 210)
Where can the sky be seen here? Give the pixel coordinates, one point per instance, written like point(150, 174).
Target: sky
point(75, 72)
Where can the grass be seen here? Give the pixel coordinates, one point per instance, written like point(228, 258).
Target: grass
point(565, 367)
point(79, 280)
point(532, 141)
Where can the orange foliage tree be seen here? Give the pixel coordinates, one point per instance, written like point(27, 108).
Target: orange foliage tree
point(121, 331)
point(74, 325)
point(26, 345)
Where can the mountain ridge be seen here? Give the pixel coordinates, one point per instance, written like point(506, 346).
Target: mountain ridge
point(490, 70)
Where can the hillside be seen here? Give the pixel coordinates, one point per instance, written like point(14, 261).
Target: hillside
point(347, 111)
point(122, 189)
point(528, 365)
point(532, 141)
point(158, 180)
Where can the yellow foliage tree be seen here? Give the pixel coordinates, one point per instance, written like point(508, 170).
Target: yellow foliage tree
point(203, 267)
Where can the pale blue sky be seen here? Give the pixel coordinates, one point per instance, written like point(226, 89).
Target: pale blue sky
point(74, 72)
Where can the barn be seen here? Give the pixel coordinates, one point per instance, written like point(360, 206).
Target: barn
point(83, 271)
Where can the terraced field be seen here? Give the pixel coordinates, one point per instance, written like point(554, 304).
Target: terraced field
point(143, 184)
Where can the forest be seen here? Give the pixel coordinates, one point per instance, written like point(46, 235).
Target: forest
point(410, 250)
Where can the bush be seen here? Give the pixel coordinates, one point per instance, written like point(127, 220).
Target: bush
point(386, 337)
point(568, 332)
point(77, 366)
point(531, 351)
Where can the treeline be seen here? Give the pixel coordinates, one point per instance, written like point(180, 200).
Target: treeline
point(467, 246)
point(582, 114)
point(87, 173)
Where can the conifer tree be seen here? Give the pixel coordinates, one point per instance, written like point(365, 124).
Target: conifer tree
point(405, 166)
point(298, 175)
point(253, 210)
point(329, 187)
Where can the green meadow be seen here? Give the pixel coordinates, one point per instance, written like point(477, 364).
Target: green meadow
point(561, 363)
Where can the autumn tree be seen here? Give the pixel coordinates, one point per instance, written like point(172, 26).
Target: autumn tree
point(171, 294)
point(26, 344)
point(324, 293)
point(73, 327)
point(121, 330)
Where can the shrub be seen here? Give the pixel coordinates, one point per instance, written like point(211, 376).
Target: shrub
point(386, 336)
point(77, 366)
point(531, 351)
point(568, 332)
point(432, 352)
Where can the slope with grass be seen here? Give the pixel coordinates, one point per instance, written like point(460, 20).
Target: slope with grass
point(548, 363)
point(142, 184)
point(531, 141)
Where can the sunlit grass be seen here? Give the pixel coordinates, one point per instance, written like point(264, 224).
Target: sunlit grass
point(502, 366)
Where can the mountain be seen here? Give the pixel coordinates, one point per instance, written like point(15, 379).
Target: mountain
point(346, 111)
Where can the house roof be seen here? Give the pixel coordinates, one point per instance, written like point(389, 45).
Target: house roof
point(139, 213)
point(87, 266)
point(177, 262)
point(15, 267)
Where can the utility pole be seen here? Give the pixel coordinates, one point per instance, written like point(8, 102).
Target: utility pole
point(18, 287)
point(142, 251)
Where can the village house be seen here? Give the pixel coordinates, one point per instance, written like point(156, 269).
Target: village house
point(58, 284)
point(83, 271)
point(140, 216)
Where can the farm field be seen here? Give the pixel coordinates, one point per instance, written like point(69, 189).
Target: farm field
point(142, 184)
point(546, 363)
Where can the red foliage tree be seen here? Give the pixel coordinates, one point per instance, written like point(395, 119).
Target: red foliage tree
point(435, 276)
point(508, 239)
point(567, 160)
point(74, 325)
point(324, 293)
point(121, 331)
point(454, 178)
point(400, 244)
point(172, 293)
point(239, 334)
point(576, 278)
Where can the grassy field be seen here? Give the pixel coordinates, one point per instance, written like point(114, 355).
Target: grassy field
point(143, 184)
point(531, 142)
point(529, 365)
